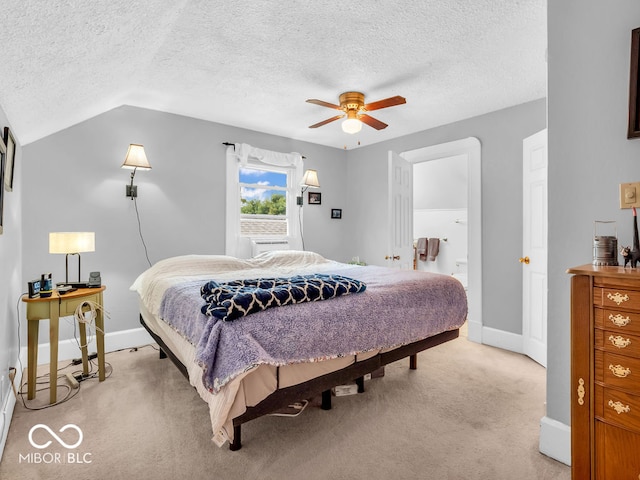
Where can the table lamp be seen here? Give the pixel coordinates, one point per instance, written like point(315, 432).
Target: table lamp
point(72, 243)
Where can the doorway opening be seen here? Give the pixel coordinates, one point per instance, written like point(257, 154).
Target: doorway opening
point(468, 149)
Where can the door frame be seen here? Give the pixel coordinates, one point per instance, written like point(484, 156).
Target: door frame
point(472, 148)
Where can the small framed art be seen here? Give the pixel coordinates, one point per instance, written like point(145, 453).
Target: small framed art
point(315, 198)
point(634, 86)
point(3, 159)
point(336, 213)
point(10, 144)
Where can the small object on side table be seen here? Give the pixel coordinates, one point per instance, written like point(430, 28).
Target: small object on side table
point(632, 255)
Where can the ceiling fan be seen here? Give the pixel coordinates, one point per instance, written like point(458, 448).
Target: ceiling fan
point(354, 108)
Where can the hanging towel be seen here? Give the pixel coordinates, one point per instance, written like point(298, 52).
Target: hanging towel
point(433, 247)
point(421, 249)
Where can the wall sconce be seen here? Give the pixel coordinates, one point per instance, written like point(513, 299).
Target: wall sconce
point(310, 179)
point(72, 243)
point(135, 159)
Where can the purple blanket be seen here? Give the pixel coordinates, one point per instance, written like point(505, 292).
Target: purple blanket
point(398, 307)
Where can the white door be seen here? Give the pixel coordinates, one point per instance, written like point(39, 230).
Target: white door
point(534, 247)
point(400, 245)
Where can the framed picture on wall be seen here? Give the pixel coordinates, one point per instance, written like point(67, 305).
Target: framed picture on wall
point(315, 198)
point(10, 160)
point(634, 101)
point(336, 213)
point(3, 159)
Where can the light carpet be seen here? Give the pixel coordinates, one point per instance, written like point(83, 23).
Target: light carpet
point(469, 412)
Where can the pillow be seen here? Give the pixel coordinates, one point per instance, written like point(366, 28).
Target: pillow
point(287, 258)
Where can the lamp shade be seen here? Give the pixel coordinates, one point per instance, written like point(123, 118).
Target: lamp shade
point(310, 179)
point(72, 242)
point(136, 158)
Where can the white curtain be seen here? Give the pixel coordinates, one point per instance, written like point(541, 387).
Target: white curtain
point(244, 151)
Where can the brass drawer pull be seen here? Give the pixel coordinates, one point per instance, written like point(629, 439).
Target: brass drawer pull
point(581, 392)
point(619, 407)
point(619, 342)
point(619, 321)
point(620, 371)
point(618, 298)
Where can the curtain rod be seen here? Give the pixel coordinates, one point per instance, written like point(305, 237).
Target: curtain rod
point(228, 144)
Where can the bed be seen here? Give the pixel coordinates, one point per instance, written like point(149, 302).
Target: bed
point(254, 364)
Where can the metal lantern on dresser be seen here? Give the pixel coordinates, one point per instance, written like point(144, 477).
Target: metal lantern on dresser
point(605, 373)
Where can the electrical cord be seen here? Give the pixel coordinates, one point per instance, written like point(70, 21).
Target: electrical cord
point(81, 317)
point(18, 332)
point(300, 224)
point(146, 253)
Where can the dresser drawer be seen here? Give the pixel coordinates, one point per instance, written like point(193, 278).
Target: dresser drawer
point(618, 407)
point(617, 342)
point(616, 298)
point(618, 320)
point(617, 458)
point(68, 307)
point(618, 371)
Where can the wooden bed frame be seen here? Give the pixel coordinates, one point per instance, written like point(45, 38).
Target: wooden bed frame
point(319, 385)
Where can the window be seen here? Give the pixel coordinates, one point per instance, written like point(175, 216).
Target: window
point(263, 202)
point(262, 187)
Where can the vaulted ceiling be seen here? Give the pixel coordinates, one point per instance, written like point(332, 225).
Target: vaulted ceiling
point(252, 64)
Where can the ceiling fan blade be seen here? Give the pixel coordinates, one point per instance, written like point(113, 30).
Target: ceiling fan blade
point(322, 103)
point(329, 120)
point(372, 122)
point(387, 102)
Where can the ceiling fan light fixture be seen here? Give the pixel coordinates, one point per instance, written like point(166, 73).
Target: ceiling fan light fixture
point(352, 105)
point(352, 124)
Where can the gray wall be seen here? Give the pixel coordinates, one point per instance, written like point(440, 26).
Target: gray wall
point(10, 279)
point(501, 134)
point(440, 183)
point(75, 183)
point(589, 154)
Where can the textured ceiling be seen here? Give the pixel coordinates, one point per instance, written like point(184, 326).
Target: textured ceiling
point(253, 64)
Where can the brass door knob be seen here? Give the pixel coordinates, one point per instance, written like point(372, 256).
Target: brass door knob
point(395, 257)
point(524, 260)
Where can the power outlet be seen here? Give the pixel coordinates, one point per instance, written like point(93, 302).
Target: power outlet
point(630, 195)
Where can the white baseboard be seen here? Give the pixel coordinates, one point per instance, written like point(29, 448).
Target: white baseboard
point(69, 349)
point(7, 406)
point(555, 440)
point(501, 339)
point(474, 331)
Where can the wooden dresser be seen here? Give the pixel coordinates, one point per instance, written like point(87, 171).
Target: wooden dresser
point(605, 373)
